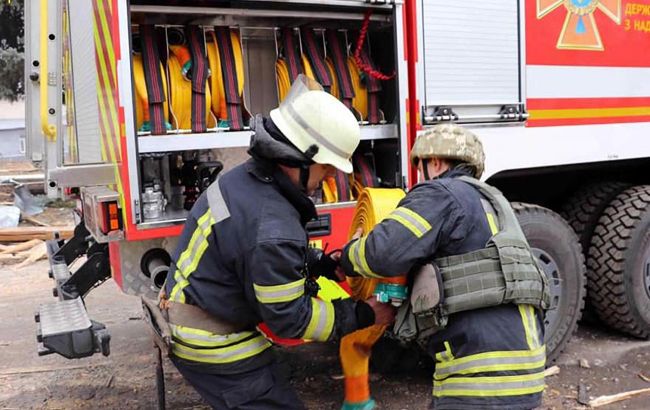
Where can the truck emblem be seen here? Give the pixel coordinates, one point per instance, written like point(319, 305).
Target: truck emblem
point(579, 31)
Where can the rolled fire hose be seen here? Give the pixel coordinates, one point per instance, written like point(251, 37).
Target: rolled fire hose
point(360, 99)
point(181, 89)
point(373, 206)
point(142, 100)
point(220, 106)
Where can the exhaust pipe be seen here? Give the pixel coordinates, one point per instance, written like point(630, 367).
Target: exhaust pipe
point(155, 265)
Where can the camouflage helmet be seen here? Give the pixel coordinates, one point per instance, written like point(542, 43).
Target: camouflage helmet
point(450, 141)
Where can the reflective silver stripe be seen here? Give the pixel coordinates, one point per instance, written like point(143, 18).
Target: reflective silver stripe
point(224, 354)
point(491, 384)
point(189, 336)
point(280, 293)
point(312, 132)
point(216, 203)
point(196, 245)
point(411, 220)
point(498, 364)
point(321, 322)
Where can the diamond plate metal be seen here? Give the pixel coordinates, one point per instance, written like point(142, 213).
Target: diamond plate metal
point(63, 317)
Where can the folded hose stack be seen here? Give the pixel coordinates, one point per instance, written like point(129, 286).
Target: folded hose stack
point(188, 79)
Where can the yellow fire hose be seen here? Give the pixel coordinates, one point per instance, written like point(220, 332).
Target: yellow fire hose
point(373, 206)
point(141, 97)
point(219, 105)
point(181, 90)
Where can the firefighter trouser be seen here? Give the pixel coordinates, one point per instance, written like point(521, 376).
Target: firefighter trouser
point(490, 358)
point(264, 388)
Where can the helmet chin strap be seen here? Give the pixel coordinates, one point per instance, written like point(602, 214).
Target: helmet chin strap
point(425, 168)
point(304, 167)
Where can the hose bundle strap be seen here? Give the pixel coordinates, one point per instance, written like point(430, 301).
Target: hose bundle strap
point(290, 54)
point(364, 171)
point(373, 86)
point(316, 59)
point(343, 189)
point(153, 79)
point(230, 79)
point(346, 91)
point(200, 74)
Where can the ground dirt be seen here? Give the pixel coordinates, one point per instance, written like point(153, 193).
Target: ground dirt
point(126, 379)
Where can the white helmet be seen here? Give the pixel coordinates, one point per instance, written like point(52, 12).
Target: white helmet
point(309, 117)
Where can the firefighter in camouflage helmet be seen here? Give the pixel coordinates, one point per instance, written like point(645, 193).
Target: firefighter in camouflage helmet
point(481, 320)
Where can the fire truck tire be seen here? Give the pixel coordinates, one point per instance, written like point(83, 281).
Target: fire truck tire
point(619, 263)
point(582, 211)
point(556, 246)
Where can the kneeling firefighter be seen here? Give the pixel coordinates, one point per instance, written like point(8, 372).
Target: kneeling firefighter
point(477, 294)
point(242, 258)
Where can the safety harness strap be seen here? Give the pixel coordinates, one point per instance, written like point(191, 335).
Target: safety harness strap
point(230, 80)
point(153, 79)
point(339, 60)
point(200, 74)
point(290, 53)
point(316, 59)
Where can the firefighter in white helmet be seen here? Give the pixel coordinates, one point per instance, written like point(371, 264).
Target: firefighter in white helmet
point(241, 259)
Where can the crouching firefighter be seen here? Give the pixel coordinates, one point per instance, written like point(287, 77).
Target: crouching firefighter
point(241, 258)
point(477, 293)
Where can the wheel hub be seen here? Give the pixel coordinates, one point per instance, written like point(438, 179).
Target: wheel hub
point(550, 268)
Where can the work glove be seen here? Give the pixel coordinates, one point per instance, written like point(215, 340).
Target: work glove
point(324, 264)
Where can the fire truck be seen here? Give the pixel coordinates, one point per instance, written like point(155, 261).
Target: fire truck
point(135, 106)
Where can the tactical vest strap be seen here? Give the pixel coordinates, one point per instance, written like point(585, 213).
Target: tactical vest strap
point(503, 272)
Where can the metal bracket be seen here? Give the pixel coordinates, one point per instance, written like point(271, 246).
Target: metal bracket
point(513, 112)
point(69, 251)
point(93, 272)
point(443, 113)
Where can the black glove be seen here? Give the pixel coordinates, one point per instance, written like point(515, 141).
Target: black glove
point(320, 263)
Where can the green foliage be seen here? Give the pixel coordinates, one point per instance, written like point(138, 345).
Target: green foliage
point(12, 47)
point(12, 27)
point(11, 73)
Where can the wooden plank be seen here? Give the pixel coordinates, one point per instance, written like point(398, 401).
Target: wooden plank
point(26, 233)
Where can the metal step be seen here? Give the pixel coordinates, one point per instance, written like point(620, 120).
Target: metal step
point(65, 328)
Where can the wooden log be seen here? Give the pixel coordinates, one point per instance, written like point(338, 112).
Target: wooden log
point(19, 247)
point(36, 253)
point(26, 233)
point(604, 400)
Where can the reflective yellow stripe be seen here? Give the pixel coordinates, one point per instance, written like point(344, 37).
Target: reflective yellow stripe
point(530, 328)
point(204, 338)
point(490, 355)
point(490, 386)
point(322, 321)
point(411, 221)
point(330, 290)
point(357, 254)
point(189, 259)
point(493, 225)
point(280, 293)
point(535, 359)
point(222, 355)
point(446, 355)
